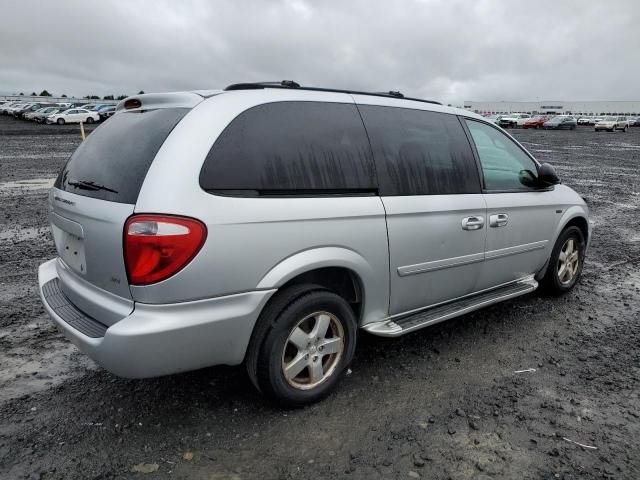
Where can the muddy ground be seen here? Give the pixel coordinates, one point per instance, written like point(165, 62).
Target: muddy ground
point(440, 403)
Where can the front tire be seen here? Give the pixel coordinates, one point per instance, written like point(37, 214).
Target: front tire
point(565, 264)
point(304, 340)
point(60, 121)
point(90, 120)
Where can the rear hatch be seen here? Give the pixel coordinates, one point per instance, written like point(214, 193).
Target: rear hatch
point(95, 194)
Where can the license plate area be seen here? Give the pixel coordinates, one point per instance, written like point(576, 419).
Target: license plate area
point(70, 249)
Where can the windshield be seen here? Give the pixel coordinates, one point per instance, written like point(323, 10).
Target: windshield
point(610, 119)
point(113, 161)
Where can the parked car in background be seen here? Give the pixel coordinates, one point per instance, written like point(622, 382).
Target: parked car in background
point(559, 122)
point(612, 123)
point(64, 105)
point(636, 122)
point(584, 121)
point(511, 120)
point(631, 121)
point(6, 108)
point(41, 115)
point(31, 114)
point(495, 119)
point(18, 106)
point(106, 112)
point(535, 122)
point(26, 107)
point(73, 115)
point(30, 109)
point(85, 106)
point(94, 107)
point(247, 258)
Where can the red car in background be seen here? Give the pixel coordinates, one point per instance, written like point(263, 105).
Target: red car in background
point(535, 122)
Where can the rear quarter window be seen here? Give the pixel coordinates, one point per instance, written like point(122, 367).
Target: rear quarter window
point(112, 162)
point(291, 148)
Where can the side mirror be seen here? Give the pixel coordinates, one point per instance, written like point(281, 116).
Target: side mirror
point(547, 175)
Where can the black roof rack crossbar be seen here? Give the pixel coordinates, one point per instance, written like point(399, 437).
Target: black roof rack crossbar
point(292, 84)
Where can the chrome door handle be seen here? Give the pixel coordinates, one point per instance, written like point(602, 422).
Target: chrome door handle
point(498, 220)
point(472, 223)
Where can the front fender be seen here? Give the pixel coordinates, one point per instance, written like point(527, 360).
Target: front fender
point(570, 213)
point(375, 284)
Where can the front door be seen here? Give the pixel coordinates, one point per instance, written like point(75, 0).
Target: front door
point(521, 217)
point(436, 215)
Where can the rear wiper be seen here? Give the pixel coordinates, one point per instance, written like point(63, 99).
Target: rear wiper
point(90, 185)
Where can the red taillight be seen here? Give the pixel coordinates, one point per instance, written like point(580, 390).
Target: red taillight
point(158, 246)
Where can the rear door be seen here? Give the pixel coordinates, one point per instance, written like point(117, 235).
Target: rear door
point(95, 194)
point(521, 218)
point(435, 211)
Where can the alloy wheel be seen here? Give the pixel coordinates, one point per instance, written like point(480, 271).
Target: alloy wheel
point(313, 350)
point(568, 261)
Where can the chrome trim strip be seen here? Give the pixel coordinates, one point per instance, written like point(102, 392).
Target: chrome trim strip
point(505, 252)
point(440, 264)
point(469, 259)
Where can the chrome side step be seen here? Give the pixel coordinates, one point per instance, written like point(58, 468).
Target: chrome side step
point(397, 326)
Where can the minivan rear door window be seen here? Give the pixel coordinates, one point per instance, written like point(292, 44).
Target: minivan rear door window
point(112, 162)
point(292, 148)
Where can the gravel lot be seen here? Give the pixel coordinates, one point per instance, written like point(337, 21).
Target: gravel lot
point(440, 403)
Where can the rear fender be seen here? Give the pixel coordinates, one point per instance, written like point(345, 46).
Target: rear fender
point(375, 285)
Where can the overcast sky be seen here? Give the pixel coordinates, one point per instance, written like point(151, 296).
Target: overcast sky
point(446, 50)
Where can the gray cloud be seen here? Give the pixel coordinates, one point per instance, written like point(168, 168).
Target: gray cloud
point(447, 50)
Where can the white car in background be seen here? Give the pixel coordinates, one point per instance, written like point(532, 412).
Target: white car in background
point(74, 115)
point(612, 123)
point(513, 120)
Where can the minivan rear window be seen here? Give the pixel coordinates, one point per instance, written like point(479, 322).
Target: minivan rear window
point(291, 148)
point(114, 159)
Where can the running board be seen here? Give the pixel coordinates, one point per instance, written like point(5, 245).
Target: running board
point(404, 324)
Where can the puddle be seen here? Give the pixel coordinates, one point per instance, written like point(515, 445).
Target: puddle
point(32, 184)
point(32, 362)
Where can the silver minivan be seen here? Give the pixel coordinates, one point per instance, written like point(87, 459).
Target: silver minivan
point(267, 224)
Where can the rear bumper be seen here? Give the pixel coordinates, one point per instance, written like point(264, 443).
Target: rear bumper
point(155, 340)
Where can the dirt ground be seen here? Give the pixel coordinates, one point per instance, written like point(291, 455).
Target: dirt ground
point(443, 403)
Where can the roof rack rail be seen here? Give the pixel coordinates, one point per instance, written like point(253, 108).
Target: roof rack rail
point(296, 85)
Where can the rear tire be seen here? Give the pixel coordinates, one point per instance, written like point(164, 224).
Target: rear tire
point(565, 264)
point(60, 121)
point(90, 120)
point(304, 340)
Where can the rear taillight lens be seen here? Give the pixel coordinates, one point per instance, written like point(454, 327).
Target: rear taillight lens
point(158, 246)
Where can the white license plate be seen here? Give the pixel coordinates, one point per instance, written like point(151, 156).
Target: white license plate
point(71, 249)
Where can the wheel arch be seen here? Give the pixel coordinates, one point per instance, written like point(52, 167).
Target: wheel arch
point(330, 267)
point(574, 216)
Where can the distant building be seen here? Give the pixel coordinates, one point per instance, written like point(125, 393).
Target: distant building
point(557, 106)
